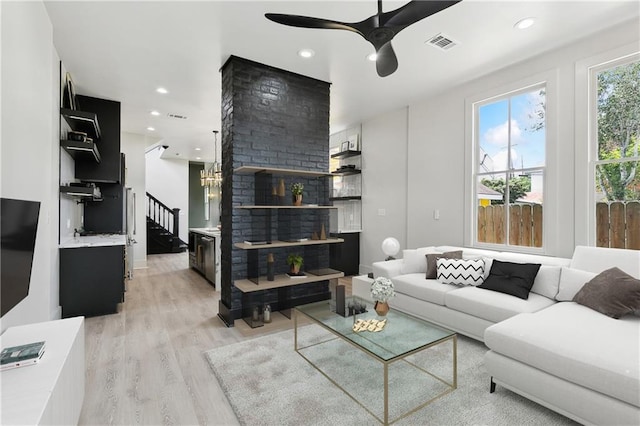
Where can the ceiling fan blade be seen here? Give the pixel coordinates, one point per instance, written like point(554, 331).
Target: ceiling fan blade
point(308, 22)
point(386, 61)
point(413, 12)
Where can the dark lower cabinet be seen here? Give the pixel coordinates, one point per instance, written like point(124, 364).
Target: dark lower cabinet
point(345, 257)
point(91, 280)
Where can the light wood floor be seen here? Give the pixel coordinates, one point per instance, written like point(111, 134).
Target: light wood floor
point(145, 365)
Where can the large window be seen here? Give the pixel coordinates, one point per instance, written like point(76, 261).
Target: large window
point(615, 159)
point(509, 171)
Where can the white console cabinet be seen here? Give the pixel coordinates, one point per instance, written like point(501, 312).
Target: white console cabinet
point(51, 391)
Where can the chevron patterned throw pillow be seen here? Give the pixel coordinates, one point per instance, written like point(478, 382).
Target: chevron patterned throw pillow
point(460, 272)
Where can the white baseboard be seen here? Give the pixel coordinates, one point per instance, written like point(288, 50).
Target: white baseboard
point(365, 269)
point(56, 314)
point(140, 264)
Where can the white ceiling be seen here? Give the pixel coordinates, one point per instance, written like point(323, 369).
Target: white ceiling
point(124, 50)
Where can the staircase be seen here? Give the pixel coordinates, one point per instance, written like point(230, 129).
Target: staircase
point(163, 224)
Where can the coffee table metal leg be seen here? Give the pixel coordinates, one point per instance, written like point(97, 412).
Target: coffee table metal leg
point(386, 393)
point(455, 361)
point(295, 330)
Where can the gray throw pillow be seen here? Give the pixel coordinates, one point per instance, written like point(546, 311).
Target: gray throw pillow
point(612, 292)
point(432, 258)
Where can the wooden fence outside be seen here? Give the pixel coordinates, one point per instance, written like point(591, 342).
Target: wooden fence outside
point(617, 224)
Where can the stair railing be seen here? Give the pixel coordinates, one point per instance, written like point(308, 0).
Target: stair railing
point(162, 215)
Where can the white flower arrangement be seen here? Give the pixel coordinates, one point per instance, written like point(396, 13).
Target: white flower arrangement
point(382, 289)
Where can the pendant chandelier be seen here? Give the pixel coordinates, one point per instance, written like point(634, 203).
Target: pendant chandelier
point(212, 177)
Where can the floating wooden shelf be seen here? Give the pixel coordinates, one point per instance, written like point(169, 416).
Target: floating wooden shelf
point(278, 244)
point(287, 172)
point(286, 207)
point(79, 149)
point(346, 172)
point(350, 198)
point(247, 286)
point(82, 121)
point(84, 192)
point(346, 154)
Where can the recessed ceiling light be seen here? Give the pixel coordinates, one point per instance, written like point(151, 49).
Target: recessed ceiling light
point(156, 113)
point(197, 149)
point(162, 90)
point(372, 57)
point(524, 23)
point(151, 129)
point(306, 53)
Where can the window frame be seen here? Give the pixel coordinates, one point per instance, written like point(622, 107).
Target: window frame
point(592, 136)
point(584, 211)
point(548, 80)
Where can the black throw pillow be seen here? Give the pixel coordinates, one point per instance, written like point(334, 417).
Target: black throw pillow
point(511, 278)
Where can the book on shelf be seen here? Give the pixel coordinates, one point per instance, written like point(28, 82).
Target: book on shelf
point(296, 240)
point(298, 275)
point(21, 356)
point(257, 242)
point(323, 271)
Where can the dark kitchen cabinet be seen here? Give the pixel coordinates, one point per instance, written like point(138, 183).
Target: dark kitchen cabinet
point(346, 256)
point(106, 216)
point(107, 114)
point(91, 280)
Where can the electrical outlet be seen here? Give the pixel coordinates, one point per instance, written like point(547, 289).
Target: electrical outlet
point(436, 214)
point(382, 212)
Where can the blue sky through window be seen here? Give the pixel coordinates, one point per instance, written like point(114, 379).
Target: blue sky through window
point(527, 143)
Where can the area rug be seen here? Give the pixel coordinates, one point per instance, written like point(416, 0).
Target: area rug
point(268, 383)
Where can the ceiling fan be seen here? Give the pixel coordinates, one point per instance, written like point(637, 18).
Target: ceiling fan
point(378, 29)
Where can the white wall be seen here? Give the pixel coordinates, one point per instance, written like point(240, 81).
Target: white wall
point(29, 145)
point(434, 155)
point(168, 181)
point(436, 171)
point(384, 184)
point(71, 212)
point(133, 146)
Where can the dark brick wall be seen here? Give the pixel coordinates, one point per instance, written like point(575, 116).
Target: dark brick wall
point(277, 119)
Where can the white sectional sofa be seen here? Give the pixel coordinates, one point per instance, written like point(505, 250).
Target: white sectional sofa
point(565, 356)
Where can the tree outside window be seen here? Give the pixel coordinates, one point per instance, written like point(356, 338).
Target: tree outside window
point(617, 175)
point(510, 140)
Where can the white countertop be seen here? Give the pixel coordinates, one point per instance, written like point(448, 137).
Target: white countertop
point(100, 240)
point(211, 232)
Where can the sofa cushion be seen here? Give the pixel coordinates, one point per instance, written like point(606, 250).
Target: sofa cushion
point(574, 343)
point(511, 278)
point(597, 259)
point(415, 285)
point(469, 253)
point(571, 281)
point(547, 281)
point(413, 260)
point(611, 292)
point(432, 259)
point(493, 306)
point(533, 258)
point(460, 272)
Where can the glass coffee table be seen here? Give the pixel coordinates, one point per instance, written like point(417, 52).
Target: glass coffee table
point(401, 341)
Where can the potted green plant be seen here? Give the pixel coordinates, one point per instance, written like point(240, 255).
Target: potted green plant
point(295, 261)
point(296, 191)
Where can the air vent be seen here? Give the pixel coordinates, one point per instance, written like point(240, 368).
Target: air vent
point(442, 42)
point(177, 116)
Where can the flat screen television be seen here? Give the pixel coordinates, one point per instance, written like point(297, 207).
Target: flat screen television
point(18, 227)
